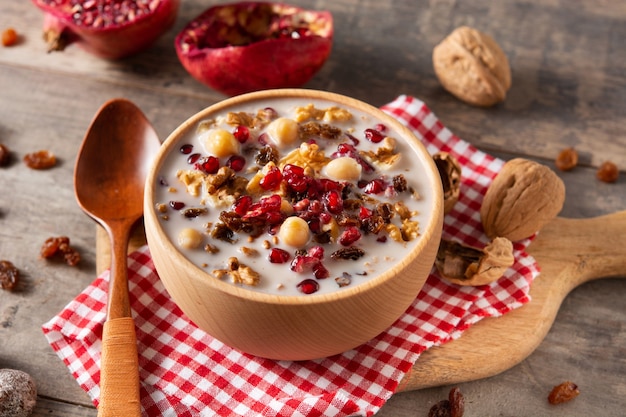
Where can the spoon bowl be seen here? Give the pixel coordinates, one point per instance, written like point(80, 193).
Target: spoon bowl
point(109, 178)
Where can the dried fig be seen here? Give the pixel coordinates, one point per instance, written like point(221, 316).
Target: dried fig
point(450, 172)
point(523, 198)
point(466, 265)
point(472, 67)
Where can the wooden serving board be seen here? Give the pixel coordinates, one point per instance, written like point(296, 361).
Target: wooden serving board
point(569, 252)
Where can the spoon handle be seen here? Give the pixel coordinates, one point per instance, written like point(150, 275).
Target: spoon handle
point(119, 363)
point(119, 378)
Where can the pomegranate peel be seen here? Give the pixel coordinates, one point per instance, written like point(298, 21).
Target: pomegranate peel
point(111, 29)
point(249, 46)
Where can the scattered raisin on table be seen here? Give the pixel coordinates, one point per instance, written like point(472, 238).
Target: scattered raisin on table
point(5, 155)
point(454, 406)
point(607, 172)
point(565, 391)
point(43, 159)
point(61, 246)
point(9, 275)
point(9, 37)
point(567, 159)
point(441, 409)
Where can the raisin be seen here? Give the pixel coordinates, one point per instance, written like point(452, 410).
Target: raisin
point(9, 37)
point(9, 275)
point(441, 409)
point(566, 391)
point(40, 160)
point(54, 246)
point(607, 172)
point(457, 402)
point(567, 159)
point(222, 232)
point(322, 130)
point(193, 212)
point(399, 183)
point(5, 155)
point(266, 155)
point(351, 252)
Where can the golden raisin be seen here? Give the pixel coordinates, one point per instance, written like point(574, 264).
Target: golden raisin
point(5, 155)
point(40, 160)
point(54, 246)
point(567, 159)
point(9, 275)
point(9, 37)
point(607, 172)
point(566, 391)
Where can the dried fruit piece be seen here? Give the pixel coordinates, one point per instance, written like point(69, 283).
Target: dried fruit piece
point(565, 391)
point(5, 155)
point(450, 173)
point(472, 67)
point(466, 265)
point(457, 402)
point(607, 172)
point(111, 29)
point(9, 37)
point(18, 393)
point(55, 246)
point(9, 275)
point(226, 47)
point(523, 197)
point(43, 159)
point(567, 159)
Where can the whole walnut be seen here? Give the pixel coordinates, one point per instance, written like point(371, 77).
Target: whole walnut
point(524, 197)
point(472, 67)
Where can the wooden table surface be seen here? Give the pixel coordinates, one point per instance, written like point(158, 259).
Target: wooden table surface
point(569, 89)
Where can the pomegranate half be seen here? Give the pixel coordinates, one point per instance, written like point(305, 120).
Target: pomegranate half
point(111, 29)
point(248, 46)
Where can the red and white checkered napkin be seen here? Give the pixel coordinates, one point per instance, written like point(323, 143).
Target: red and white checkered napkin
point(186, 372)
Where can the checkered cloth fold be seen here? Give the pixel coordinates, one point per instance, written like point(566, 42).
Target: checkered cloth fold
point(187, 373)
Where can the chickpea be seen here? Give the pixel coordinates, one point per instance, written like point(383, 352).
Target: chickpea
point(189, 238)
point(220, 143)
point(343, 168)
point(283, 131)
point(294, 232)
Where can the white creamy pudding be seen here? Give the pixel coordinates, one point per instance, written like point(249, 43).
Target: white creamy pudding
point(292, 198)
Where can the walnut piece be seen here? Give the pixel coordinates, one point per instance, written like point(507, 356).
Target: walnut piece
point(466, 265)
point(472, 67)
point(450, 173)
point(524, 197)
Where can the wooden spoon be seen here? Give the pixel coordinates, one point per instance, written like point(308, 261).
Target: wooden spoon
point(109, 178)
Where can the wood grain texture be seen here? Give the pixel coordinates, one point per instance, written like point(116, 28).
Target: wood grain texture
point(569, 89)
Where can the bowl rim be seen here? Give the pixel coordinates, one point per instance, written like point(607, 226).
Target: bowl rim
point(433, 181)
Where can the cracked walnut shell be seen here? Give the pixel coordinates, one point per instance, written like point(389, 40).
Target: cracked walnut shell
point(524, 197)
point(472, 67)
point(450, 172)
point(466, 265)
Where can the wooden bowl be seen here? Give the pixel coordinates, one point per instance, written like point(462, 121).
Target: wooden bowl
point(288, 327)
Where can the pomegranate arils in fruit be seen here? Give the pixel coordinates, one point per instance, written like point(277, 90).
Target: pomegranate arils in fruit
point(308, 286)
point(271, 180)
point(278, 256)
point(333, 202)
point(375, 186)
point(241, 133)
point(242, 205)
point(111, 29)
point(177, 205)
point(221, 46)
point(193, 158)
point(320, 271)
point(210, 165)
point(236, 163)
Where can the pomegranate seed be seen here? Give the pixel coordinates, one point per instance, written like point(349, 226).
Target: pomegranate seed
point(274, 217)
point(177, 205)
point(302, 205)
point(210, 165)
point(271, 180)
point(375, 186)
point(295, 178)
point(236, 162)
point(320, 271)
point(241, 133)
point(325, 218)
point(193, 158)
point(349, 236)
point(308, 286)
point(242, 205)
point(316, 252)
point(333, 202)
point(354, 140)
point(303, 263)
point(364, 213)
point(270, 113)
point(374, 135)
point(186, 148)
point(263, 139)
point(380, 127)
point(278, 256)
